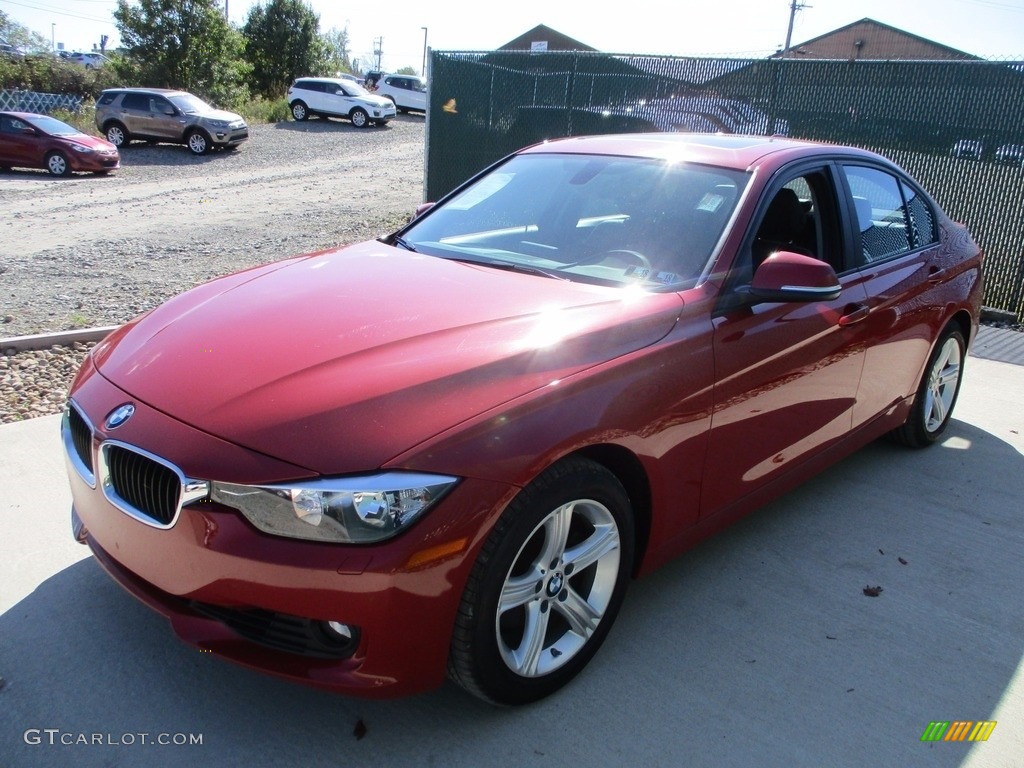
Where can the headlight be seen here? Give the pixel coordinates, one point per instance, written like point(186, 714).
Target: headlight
point(217, 123)
point(80, 148)
point(352, 510)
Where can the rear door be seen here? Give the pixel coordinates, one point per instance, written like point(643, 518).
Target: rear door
point(134, 113)
point(901, 263)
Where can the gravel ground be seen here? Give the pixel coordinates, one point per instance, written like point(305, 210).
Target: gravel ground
point(94, 251)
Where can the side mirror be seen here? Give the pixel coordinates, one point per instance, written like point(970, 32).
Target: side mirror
point(788, 276)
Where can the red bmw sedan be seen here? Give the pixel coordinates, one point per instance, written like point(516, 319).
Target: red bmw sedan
point(29, 140)
point(449, 451)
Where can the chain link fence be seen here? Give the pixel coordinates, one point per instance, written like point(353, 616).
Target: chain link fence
point(957, 126)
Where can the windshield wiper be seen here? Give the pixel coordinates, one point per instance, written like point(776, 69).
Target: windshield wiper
point(401, 242)
point(510, 266)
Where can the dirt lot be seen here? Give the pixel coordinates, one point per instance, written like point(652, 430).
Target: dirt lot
point(93, 251)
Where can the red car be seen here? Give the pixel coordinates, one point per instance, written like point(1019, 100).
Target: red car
point(450, 450)
point(28, 140)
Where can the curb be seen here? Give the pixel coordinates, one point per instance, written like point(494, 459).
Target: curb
point(46, 340)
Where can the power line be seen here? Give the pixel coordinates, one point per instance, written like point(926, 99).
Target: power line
point(57, 12)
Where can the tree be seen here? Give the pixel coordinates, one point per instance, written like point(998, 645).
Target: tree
point(336, 43)
point(21, 37)
point(282, 42)
point(185, 44)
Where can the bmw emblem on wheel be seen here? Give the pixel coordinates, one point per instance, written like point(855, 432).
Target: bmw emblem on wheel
point(119, 416)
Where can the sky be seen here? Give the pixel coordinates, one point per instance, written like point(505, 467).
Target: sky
point(987, 28)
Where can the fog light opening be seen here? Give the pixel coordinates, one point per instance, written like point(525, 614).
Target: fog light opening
point(339, 630)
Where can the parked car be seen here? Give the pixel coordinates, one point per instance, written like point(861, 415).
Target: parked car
point(1010, 154)
point(89, 60)
point(451, 449)
point(407, 92)
point(162, 115)
point(967, 149)
point(9, 51)
point(336, 97)
point(29, 140)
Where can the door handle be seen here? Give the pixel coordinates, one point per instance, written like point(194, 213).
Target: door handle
point(936, 275)
point(854, 314)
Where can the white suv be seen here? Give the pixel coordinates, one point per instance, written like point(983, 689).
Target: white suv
point(408, 92)
point(337, 97)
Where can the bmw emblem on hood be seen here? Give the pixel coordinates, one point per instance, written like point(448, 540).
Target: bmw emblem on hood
point(119, 416)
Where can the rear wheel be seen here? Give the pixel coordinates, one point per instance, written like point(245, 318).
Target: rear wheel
point(57, 164)
point(300, 111)
point(546, 586)
point(936, 394)
point(359, 118)
point(117, 135)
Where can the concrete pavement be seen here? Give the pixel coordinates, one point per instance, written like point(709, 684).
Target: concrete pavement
point(758, 648)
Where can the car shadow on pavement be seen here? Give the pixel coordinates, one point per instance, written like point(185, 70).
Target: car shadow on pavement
point(143, 154)
point(39, 174)
point(758, 647)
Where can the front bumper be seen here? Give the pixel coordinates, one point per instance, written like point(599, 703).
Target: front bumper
point(229, 137)
point(94, 161)
point(211, 566)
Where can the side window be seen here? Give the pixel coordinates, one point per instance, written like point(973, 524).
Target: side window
point(922, 217)
point(800, 217)
point(160, 106)
point(136, 101)
point(107, 98)
point(881, 217)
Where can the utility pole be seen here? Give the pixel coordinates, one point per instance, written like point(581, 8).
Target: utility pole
point(378, 50)
point(793, 8)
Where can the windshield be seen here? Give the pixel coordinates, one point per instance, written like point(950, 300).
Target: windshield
point(601, 219)
point(54, 127)
point(354, 89)
point(189, 104)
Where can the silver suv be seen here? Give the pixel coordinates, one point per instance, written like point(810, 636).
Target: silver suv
point(163, 115)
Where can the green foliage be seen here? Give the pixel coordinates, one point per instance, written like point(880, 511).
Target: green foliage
point(282, 42)
point(336, 43)
point(82, 120)
point(184, 44)
point(50, 74)
point(260, 110)
point(407, 71)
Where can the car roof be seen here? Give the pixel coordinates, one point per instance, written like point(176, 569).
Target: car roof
point(25, 115)
point(724, 150)
point(161, 91)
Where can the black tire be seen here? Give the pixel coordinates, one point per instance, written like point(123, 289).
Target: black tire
point(359, 118)
point(936, 394)
point(57, 164)
point(117, 134)
point(300, 111)
point(198, 143)
point(546, 587)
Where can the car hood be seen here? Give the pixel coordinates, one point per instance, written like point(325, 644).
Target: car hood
point(339, 361)
point(92, 142)
point(374, 101)
point(220, 114)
